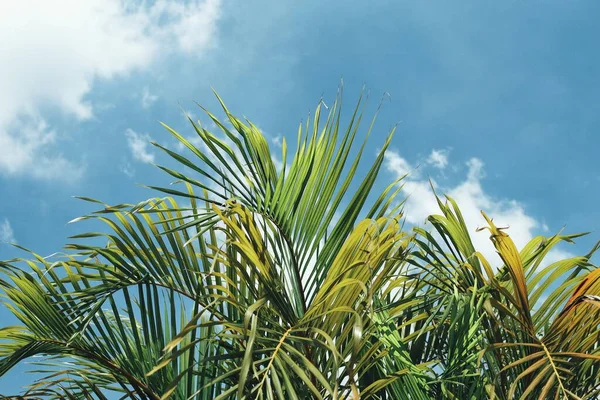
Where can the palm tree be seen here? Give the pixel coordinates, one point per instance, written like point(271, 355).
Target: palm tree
point(293, 280)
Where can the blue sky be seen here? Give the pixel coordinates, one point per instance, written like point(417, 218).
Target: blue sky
point(496, 101)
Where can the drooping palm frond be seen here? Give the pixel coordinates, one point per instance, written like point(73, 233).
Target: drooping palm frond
point(280, 295)
point(295, 281)
point(530, 350)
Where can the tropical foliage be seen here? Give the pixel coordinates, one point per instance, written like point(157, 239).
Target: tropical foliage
point(297, 279)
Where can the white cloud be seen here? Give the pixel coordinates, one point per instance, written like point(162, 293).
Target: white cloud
point(24, 148)
point(139, 146)
point(398, 164)
point(128, 169)
point(276, 151)
point(438, 158)
point(471, 198)
point(6, 232)
point(55, 61)
point(148, 98)
point(192, 24)
point(277, 141)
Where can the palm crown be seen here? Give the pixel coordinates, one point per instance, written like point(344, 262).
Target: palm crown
point(297, 281)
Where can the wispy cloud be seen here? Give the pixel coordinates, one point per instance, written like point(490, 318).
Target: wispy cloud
point(23, 150)
point(438, 158)
point(277, 141)
point(189, 114)
point(101, 39)
point(6, 232)
point(472, 198)
point(128, 169)
point(139, 145)
point(148, 98)
point(397, 164)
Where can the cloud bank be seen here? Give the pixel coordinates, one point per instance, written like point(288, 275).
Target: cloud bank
point(57, 50)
